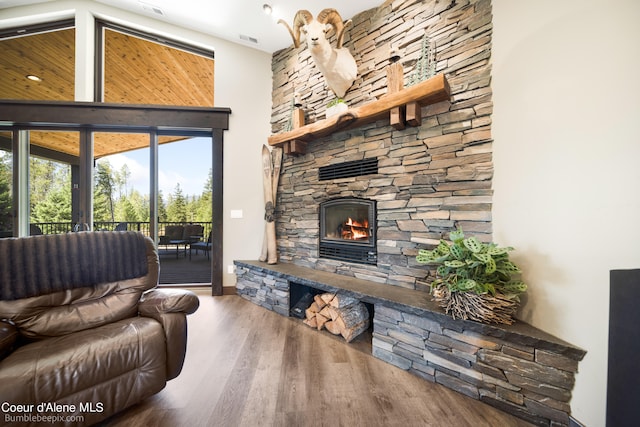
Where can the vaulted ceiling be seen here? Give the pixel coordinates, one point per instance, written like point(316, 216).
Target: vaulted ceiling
point(142, 72)
point(239, 21)
point(136, 71)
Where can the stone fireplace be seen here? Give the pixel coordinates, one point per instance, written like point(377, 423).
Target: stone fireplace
point(348, 230)
point(425, 180)
point(355, 206)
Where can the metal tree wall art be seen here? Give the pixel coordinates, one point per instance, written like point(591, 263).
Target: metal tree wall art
point(426, 65)
point(289, 125)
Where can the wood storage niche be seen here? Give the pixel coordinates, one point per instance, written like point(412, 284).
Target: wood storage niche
point(338, 314)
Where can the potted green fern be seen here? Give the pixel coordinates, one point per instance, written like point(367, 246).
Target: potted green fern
point(336, 106)
point(474, 280)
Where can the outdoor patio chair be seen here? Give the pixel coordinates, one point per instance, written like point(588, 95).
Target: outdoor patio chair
point(193, 232)
point(204, 246)
point(177, 235)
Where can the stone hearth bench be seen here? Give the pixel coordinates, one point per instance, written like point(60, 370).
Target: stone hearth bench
point(517, 368)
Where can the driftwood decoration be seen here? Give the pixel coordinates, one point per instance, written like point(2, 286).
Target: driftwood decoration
point(483, 308)
point(271, 163)
point(428, 92)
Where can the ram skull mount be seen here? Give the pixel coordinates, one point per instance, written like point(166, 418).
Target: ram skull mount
point(336, 65)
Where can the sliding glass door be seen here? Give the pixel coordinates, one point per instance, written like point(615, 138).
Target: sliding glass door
point(176, 215)
point(184, 203)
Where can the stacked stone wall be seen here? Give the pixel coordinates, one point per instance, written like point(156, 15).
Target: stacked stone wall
point(431, 178)
point(518, 368)
point(263, 289)
point(522, 376)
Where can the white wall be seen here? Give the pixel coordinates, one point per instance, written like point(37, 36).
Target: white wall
point(242, 83)
point(566, 153)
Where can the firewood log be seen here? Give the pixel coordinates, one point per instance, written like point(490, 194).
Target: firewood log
point(320, 321)
point(341, 315)
point(326, 311)
point(340, 301)
point(311, 311)
point(352, 320)
point(327, 297)
point(331, 327)
point(311, 322)
point(319, 301)
point(349, 334)
point(332, 312)
point(353, 314)
point(339, 321)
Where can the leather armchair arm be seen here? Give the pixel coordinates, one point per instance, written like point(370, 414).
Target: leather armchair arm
point(170, 307)
point(8, 337)
point(161, 301)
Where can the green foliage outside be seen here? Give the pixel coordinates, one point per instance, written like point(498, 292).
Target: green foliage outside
point(177, 207)
point(50, 191)
point(114, 200)
point(6, 222)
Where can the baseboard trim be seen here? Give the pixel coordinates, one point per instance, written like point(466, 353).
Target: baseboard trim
point(229, 290)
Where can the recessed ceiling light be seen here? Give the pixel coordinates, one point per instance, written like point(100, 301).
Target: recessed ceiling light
point(34, 78)
point(267, 9)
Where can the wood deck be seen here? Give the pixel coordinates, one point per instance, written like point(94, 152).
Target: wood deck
point(181, 269)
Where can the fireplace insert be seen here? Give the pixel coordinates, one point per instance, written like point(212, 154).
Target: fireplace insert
point(348, 230)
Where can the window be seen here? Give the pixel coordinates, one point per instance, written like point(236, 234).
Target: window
point(53, 163)
point(38, 62)
point(6, 185)
point(139, 68)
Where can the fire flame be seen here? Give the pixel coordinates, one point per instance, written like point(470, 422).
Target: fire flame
point(355, 230)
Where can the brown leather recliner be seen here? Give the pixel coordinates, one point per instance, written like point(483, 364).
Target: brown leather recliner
point(84, 332)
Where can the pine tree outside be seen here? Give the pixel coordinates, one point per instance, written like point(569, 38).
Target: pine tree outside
point(121, 193)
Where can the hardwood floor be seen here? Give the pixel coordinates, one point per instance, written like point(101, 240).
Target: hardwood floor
point(248, 366)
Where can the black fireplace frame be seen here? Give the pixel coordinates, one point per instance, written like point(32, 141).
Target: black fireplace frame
point(355, 251)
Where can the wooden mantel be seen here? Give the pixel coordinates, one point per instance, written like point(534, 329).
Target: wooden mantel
point(427, 92)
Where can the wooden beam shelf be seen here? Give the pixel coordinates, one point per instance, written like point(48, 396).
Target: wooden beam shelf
point(427, 92)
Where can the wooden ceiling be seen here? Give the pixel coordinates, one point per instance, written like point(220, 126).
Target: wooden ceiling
point(136, 71)
point(50, 56)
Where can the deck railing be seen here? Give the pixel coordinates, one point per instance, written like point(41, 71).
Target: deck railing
point(141, 226)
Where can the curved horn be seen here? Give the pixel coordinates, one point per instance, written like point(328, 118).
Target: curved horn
point(303, 17)
point(332, 17)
